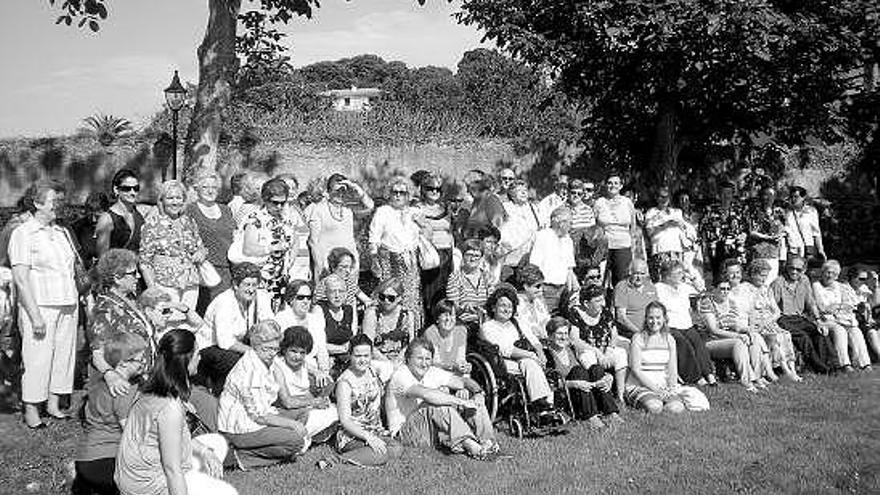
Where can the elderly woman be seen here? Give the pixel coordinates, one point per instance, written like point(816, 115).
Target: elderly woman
point(216, 228)
point(694, 364)
point(520, 349)
point(435, 213)
point(532, 311)
point(120, 226)
point(300, 311)
point(866, 299)
point(519, 230)
point(388, 324)
point(766, 226)
point(652, 382)
point(171, 247)
point(363, 440)
point(763, 315)
point(157, 453)
point(331, 221)
point(616, 214)
point(394, 243)
point(340, 323)
point(449, 339)
point(425, 408)
point(251, 185)
point(228, 318)
point(838, 318)
point(261, 434)
point(469, 286)
point(268, 239)
point(302, 389)
point(341, 262)
point(727, 338)
point(42, 256)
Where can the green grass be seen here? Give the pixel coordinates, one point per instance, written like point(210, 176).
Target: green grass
point(821, 436)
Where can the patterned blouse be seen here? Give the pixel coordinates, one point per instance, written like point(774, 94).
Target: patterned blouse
point(168, 246)
point(724, 232)
point(114, 314)
point(768, 223)
point(594, 331)
point(366, 402)
point(271, 229)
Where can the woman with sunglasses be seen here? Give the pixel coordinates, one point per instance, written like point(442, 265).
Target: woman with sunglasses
point(438, 218)
point(300, 311)
point(120, 226)
point(331, 221)
point(394, 242)
point(388, 324)
point(117, 309)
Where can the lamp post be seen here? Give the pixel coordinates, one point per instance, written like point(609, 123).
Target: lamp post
point(175, 97)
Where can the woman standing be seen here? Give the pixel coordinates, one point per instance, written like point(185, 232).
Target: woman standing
point(394, 242)
point(171, 248)
point(438, 218)
point(120, 226)
point(766, 227)
point(331, 222)
point(216, 227)
point(157, 454)
point(42, 257)
point(616, 214)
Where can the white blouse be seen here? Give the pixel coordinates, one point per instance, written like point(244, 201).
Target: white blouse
point(394, 230)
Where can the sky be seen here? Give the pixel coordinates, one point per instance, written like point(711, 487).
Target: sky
point(55, 76)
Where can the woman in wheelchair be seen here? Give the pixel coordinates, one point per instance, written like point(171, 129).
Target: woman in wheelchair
point(449, 339)
point(588, 384)
point(426, 406)
point(523, 354)
point(594, 330)
point(652, 382)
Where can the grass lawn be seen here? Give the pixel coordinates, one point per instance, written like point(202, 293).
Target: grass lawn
point(821, 436)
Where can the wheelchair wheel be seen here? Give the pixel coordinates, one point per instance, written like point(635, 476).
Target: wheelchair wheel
point(481, 372)
point(516, 428)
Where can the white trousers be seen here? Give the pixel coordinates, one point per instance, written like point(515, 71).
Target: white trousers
point(48, 360)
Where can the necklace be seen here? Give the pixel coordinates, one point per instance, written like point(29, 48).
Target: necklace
point(340, 215)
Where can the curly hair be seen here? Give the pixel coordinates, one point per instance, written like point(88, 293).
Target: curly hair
point(529, 275)
point(37, 193)
point(293, 288)
point(336, 255)
point(112, 265)
point(243, 271)
point(504, 290)
point(390, 283)
point(297, 337)
point(264, 331)
point(274, 187)
point(590, 292)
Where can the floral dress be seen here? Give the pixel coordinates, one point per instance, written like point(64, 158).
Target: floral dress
point(366, 402)
point(724, 233)
point(595, 333)
point(768, 222)
point(762, 318)
point(275, 269)
point(168, 246)
point(113, 314)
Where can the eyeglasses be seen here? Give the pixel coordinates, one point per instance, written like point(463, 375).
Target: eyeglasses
point(593, 277)
point(399, 192)
point(387, 297)
point(723, 287)
point(431, 189)
point(134, 188)
point(576, 193)
point(863, 279)
point(795, 268)
point(166, 311)
point(302, 297)
point(473, 255)
point(539, 285)
point(589, 190)
point(133, 273)
point(507, 179)
point(276, 202)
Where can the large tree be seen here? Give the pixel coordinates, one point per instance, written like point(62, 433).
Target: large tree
point(659, 77)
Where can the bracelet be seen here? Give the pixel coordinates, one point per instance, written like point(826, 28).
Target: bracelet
point(104, 374)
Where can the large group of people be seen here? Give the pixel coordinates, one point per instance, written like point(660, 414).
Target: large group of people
point(240, 334)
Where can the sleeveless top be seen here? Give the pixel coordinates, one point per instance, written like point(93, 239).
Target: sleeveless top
point(397, 334)
point(122, 236)
point(655, 360)
point(366, 404)
point(216, 233)
point(338, 332)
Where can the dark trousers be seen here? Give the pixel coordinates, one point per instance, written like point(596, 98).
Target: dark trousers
point(693, 358)
point(588, 404)
point(95, 477)
point(434, 284)
point(618, 264)
point(816, 349)
point(214, 365)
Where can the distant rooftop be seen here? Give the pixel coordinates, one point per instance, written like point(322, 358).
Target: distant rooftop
point(352, 92)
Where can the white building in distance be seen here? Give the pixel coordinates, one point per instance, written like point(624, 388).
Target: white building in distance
point(352, 100)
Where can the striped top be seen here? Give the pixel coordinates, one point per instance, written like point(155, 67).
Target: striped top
point(469, 292)
point(655, 358)
point(582, 216)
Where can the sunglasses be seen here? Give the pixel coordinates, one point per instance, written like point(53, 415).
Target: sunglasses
point(593, 277)
point(723, 287)
point(795, 269)
point(399, 192)
point(507, 179)
point(302, 297)
point(134, 188)
point(863, 279)
point(277, 203)
point(589, 189)
point(387, 297)
point(576, 193)
point(432, 189)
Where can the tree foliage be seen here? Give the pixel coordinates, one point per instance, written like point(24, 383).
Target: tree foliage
point(659, 77)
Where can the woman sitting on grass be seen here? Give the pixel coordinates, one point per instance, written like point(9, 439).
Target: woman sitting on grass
point(449, 339)
point(588, 383)
point(299, 390)
point(104, 416)
point(652, 382)
point(362, 440)
point(157, 454)
point(340, 322)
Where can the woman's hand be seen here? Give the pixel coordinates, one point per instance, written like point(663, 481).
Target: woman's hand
point(199, 256)
point(376, 443)
point(117, 385)
point(462, 367)
point(322, 379)
point(38, 326)
point(605, 383)
point(212, 465)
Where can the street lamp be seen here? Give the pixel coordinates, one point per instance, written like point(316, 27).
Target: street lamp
point(175, 96)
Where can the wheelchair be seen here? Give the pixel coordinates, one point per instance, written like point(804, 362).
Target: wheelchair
point(507, 399)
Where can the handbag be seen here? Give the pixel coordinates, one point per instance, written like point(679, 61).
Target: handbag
point(235, 253)
point(429, 258)
point(81, 276)
point(208, 275)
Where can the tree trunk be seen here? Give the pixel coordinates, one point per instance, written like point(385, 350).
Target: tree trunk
point(667, 146)
point(217, 67)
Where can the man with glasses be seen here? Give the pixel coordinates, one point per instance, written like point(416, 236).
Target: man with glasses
point(506, 179)
point(559, 197)
point(631, 297)
point(802, 232)
point(794, 296)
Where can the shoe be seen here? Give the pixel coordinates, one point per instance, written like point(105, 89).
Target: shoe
point(38, 426)
point(59, 416)
point(596, 423)
point(866, 368)
point(751, 388)
point(711, 380)
point(614, 418)
point(760, 384)
point(848, 369)
point(701, 382)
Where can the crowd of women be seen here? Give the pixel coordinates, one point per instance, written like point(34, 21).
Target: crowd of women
point(240, 334)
